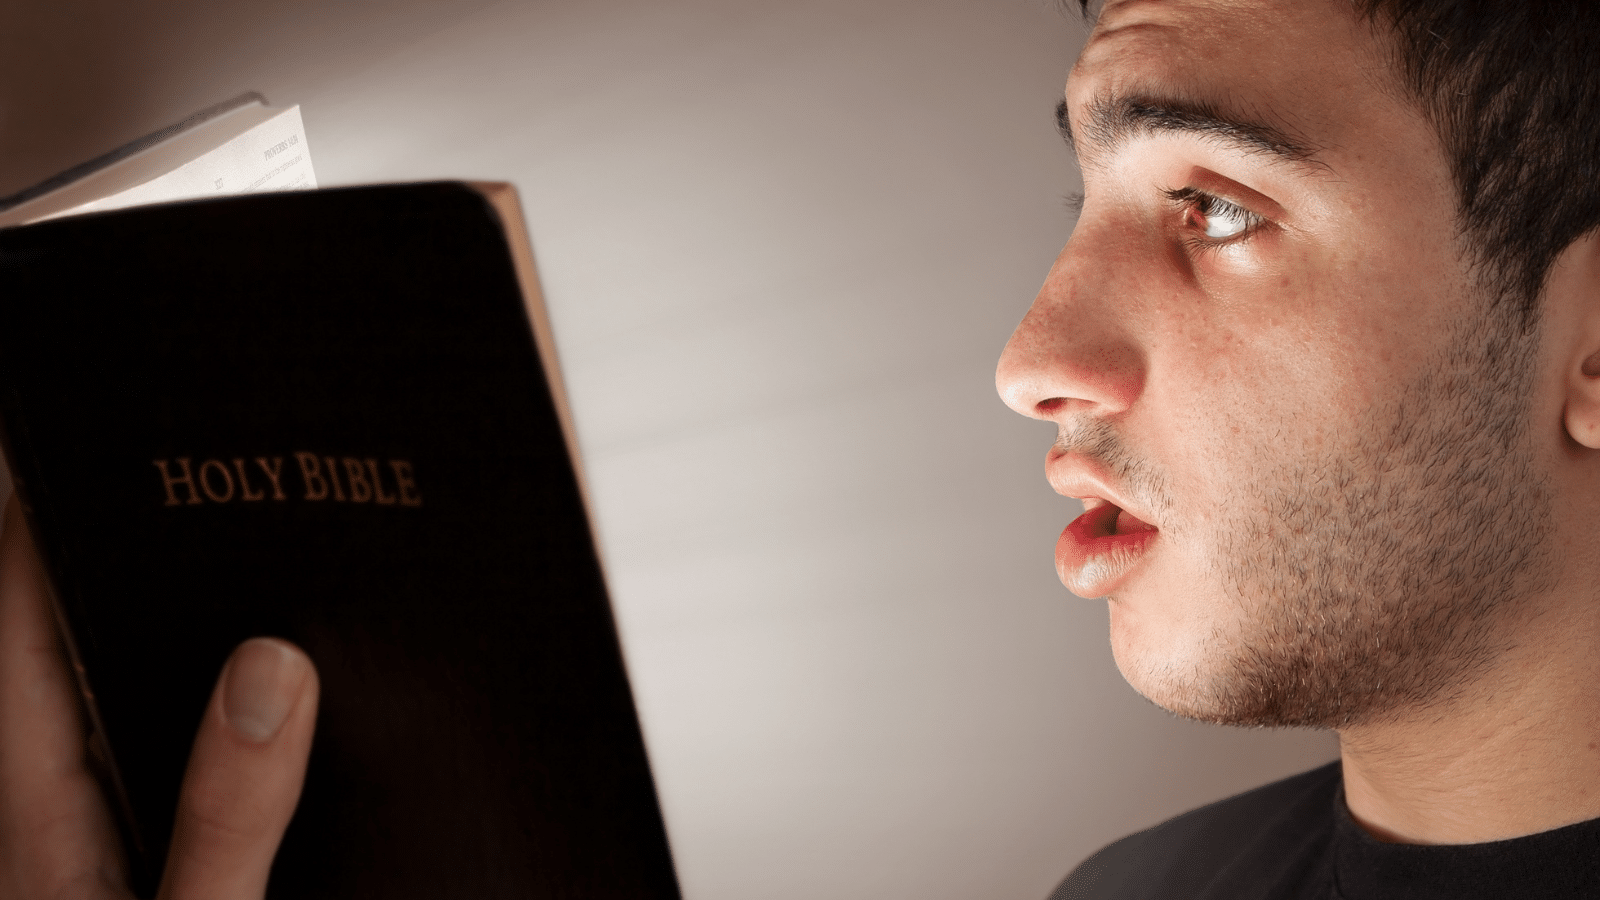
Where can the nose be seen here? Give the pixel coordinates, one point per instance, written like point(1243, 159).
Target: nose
point(1075, 351)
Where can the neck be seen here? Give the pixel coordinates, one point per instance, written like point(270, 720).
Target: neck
point(1516, 754)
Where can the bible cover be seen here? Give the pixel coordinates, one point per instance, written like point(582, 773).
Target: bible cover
point(324, 416)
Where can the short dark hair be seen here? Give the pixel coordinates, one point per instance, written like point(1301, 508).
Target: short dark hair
point(1512, 89)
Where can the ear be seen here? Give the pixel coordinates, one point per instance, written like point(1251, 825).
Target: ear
point(1583, 405)
point(1572, 323)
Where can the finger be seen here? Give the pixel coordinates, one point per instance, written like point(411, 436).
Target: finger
point(244, 774)
point(56, 834)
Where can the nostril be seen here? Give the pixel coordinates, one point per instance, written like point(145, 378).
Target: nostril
point(1050, 406)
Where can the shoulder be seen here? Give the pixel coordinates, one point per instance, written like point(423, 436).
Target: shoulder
point(1268, 842)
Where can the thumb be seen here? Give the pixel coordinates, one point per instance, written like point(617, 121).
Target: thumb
point(244, 774)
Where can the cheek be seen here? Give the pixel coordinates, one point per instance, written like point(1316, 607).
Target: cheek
point(1318, 337)
point(1375, 303)
point(1239, 395)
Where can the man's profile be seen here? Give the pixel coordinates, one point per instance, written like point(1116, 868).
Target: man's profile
point(1324, 353)
point(1324, 357)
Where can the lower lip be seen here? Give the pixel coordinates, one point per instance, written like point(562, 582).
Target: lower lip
point(1092, 559)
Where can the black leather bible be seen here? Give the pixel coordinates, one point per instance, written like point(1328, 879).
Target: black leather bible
point(326, 416)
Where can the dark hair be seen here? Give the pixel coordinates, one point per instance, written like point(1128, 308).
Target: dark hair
point(1512, 89)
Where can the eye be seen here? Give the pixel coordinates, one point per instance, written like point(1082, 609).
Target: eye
point(1219, 221)
point(1223, 220)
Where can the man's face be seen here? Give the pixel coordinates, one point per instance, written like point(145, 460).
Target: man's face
point(1263, 345)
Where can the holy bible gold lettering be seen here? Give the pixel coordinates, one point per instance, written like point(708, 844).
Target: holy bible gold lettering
point(363, 480)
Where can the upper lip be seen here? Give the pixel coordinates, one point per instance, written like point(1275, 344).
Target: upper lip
point(1085, 479)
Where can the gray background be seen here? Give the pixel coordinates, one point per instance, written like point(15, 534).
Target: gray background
point(783, 244)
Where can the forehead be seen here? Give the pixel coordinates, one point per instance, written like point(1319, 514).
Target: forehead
point(1308, 69)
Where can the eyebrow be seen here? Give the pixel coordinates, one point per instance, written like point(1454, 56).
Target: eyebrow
point(1113, 121)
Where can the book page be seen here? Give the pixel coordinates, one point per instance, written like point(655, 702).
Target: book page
point(273, 156)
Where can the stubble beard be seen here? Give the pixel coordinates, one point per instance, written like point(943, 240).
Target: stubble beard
point(1385, 578)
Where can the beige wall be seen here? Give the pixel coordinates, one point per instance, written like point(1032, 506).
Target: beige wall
point(783, 243)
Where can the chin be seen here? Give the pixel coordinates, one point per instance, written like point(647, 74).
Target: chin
point(1180, 666)
point(1162, 664)
point(1185, 690)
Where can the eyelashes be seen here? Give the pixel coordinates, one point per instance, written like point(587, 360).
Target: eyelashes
point(1207, 222)
point(1210, 221)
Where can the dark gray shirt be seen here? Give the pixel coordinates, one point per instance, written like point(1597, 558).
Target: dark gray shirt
point(1294, 840)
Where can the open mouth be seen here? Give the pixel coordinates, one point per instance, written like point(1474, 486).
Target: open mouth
point(1102, 518)
point(1099, 549)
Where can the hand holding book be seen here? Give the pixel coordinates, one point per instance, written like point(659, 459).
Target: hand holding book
point(57, 838)
point(333, 417)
